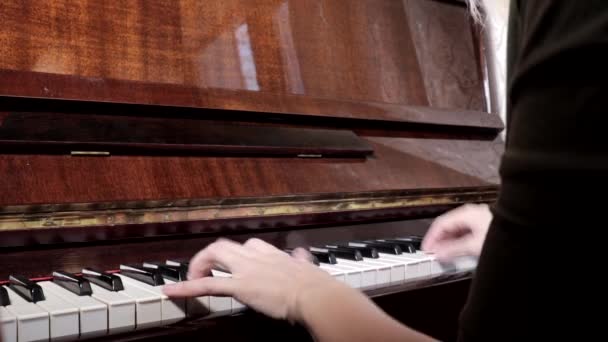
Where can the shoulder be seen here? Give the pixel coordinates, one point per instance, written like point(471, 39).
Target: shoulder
point(553, 34)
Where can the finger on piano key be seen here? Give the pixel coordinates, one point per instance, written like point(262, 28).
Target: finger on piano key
point(121, 309)
point(195, 306)
point(461, 264)
point(108, 281)
point(63, 318)
point(172, 272)
point(221, 304)
point(8, 325)
point(172, 309)
point(93, 314)
point(26, 288)
point(32, 320)
point(148, 312)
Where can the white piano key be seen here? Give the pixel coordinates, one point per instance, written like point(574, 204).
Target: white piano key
point(147, 305)
point(466, 263)
point(121, 309)
point(237, 306)
point(412, 267)
point(435, 266)
point(32, 320)
point(416, 266)
point(8, 326)
point(195, 306)
point(93, 314)
point(333, 272)
point(426, 258)
point(220, 305)
point(352, 276)
point(198, 306)
point(458, 265)
point(368, 273)
point(172, 309)
point(397, 269)
point(208, 306)
point(384, 271)
point(63, 318)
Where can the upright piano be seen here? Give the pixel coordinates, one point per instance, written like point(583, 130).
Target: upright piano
point(134, 133)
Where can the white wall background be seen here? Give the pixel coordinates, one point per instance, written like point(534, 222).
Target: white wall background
point(496, 27)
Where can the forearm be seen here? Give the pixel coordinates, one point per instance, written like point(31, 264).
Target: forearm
point(338, 312)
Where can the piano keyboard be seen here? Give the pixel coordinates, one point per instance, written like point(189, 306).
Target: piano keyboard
point(70, 307)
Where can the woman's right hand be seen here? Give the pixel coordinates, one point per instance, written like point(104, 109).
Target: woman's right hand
point(459, 232)
point(264, 278)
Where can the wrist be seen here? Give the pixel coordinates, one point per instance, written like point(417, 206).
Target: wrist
point(309, 301)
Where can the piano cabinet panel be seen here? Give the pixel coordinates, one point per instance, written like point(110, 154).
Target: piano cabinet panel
point(192, 52)
point(397, 164)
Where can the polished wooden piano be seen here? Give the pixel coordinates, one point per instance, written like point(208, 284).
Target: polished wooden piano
point(137, 132)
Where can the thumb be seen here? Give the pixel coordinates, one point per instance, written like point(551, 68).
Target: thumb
point(450, 249)
point(302, 254)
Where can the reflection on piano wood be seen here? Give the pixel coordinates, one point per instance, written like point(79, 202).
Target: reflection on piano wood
point(138, 133)
point(67, 307)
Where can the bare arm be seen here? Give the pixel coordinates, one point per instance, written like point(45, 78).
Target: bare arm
point(344, 314)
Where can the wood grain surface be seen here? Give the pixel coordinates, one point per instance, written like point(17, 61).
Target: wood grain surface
point(415, 52)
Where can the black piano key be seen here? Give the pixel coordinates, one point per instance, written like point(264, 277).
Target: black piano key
point(172, 272)
point(4, 300)
point(73, 283)
point(324, 256)
point(26, 288)
point(415, 240)
point(382, 247)
point(314, 259)
point(345, 253)
point(406, 246)
point(178, 262)
point(108, 281)
point(367, 252)
point(150, 276)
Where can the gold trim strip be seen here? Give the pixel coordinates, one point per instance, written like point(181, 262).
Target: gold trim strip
point(110, 217)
